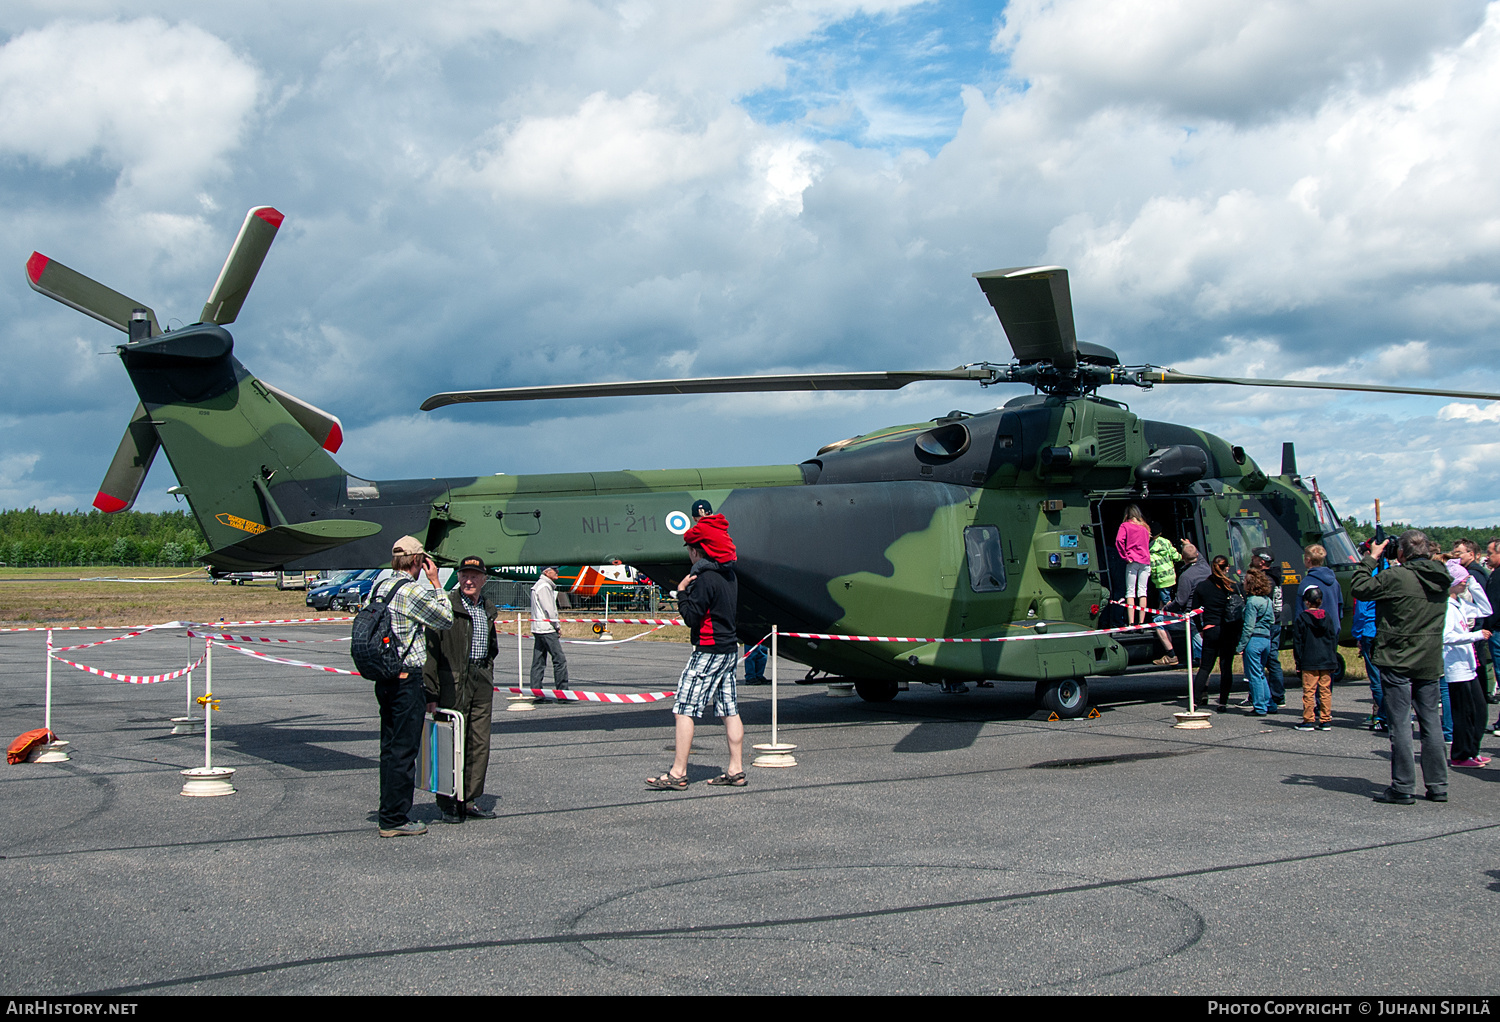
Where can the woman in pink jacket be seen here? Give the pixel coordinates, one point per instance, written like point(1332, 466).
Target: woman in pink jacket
point(1133, 544)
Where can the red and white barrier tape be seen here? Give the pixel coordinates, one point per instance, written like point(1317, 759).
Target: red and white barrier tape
point(116, 638)
point(250, 638)
point(622, 620)
point(134, 679)
point(289, 663)
point(589, 697)
point(177, 624)
point(999, 638)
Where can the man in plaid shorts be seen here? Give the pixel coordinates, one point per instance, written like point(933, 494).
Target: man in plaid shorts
point(708, 602)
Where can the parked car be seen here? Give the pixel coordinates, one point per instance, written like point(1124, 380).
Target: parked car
point(320, 596)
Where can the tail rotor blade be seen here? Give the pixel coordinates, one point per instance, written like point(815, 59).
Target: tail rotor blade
point(245, 257)
point(122, 483)
point(322, 426)
point(88, 296)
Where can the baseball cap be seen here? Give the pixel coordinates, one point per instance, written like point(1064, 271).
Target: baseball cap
point(702, 507)
point(472, 564)
point(406, 546)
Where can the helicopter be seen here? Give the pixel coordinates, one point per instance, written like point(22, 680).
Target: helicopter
point(970, 525)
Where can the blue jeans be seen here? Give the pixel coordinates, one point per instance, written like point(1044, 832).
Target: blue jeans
point(1255, 673)
point(755, 663)
point(1274, 678)
point(1366, 647)
point(1447, 711)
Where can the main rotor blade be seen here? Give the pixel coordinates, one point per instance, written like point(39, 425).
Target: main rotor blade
point(1172, 376)
point(132, 460)
point(245, 257)
point(712, 385)
point(88, 296)
point(1036, 310)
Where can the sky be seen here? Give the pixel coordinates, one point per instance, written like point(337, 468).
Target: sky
point(546, 191)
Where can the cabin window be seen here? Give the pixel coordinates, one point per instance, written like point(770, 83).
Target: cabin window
point(1246, 535)
point(360, 489)
point(986, 562)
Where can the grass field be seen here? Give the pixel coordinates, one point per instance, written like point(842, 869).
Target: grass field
point(34, 597)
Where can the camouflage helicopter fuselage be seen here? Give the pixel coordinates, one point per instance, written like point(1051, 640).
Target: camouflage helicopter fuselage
point(967, 526)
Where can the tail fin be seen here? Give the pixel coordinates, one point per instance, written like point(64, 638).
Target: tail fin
point(255, 477)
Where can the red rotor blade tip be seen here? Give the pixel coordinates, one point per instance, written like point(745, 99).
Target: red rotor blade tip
point(36, 266)
point(270, 215)
point(109, 505)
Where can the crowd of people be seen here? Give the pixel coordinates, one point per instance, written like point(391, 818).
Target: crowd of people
point(447, 644)
point(1425, 621)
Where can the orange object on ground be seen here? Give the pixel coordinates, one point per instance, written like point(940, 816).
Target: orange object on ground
point(22, 746)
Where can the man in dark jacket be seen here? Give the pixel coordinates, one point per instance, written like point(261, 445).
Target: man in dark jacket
point(460, 675)
point(1411, 601)
point(708, 600)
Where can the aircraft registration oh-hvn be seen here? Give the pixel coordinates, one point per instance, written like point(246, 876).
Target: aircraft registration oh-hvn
point(990, 525)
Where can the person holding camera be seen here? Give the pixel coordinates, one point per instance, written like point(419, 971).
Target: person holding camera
point(403, 701)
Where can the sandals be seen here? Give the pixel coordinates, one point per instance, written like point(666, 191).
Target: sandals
point(730, 780)
point(666, 782)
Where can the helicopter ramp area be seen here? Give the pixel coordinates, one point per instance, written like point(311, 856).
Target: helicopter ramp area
point(933, 844)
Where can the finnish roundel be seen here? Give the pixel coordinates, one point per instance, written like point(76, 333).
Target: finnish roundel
point(678, 523)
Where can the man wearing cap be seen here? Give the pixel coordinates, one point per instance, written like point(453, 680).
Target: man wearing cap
point(545, 640)
point(413, 608)
point(708, 601)
point(460, 676)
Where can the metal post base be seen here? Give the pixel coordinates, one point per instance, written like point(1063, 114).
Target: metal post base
point(520, 704)
point(1194, 720)
point(777, 755)
point(205, 782)
point(187, 725)
point(54, 752)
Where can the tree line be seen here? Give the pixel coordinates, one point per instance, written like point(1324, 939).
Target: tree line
point(1445, 536)
point(54, 539)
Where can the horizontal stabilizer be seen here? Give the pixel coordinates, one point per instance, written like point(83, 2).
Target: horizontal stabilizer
point(285, 543)
point(249, 251)
point(85, 294)
point(322, 426)
point(122, 483)
point(1036, 310)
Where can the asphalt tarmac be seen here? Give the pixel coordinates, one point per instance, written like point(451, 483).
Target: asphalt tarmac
point(934, 844)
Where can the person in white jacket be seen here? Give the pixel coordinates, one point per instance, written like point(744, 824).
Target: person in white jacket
point(1466, 603)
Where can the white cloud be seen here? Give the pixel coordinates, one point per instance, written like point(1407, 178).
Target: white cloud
point(161, 104)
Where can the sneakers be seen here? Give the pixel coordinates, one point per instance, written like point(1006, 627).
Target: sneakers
point(1325, 726)
point(1465, 763)
point(410, 828)
point(1307, 725)
point(1165, 661)
point(1391, 796)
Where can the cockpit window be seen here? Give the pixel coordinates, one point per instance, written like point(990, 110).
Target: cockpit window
point(1335, 540)
point(986, 562)
point(360, 489)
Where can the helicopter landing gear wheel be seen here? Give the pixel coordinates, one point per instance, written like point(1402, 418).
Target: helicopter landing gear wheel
point(1339, 667)
point(1068, 697)
point(876, 691)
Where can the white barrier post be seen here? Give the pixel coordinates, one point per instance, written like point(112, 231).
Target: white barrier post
point(1194, 719)
point(208, 780)
point(187, 724)
point(605, 635)
point(521, 700)
point(774, 753)
point(54, 751)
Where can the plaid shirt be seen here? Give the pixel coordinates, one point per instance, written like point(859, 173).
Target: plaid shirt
point(1163, 558)
point(412, 608)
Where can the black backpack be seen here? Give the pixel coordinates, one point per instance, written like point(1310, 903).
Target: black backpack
point(374, 647)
